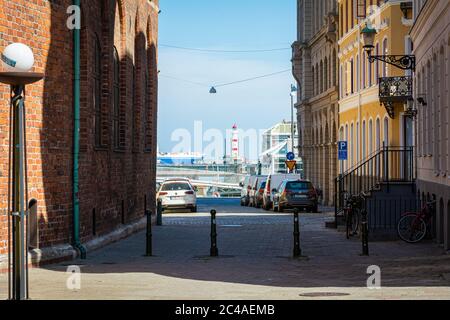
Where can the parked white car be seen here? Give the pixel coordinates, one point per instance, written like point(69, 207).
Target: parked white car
point(177, 194)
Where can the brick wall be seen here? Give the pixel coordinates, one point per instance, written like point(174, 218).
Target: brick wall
point(113, 183)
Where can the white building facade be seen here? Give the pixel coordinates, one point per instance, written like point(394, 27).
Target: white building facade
point(430, 35)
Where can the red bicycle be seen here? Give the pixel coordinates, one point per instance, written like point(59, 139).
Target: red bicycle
point(412, 226)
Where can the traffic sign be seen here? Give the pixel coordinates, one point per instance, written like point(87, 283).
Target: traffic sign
point(290, 156)
point(342, 150)
point(291, 164)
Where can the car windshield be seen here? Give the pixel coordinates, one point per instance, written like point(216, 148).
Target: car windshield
point(175, 186)
point(298, 186)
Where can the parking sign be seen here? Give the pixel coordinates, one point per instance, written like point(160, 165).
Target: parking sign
point(342, 150)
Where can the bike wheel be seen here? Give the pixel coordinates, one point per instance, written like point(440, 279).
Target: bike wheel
point(411, 228)
point(356, 219)
point(348, 220)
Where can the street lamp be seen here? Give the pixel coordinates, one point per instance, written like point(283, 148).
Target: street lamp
point(404, 62)
point(293, 94)
point(17, 60)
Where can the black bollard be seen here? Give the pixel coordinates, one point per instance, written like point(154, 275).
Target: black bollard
point(297, 250)
point(214, 252)
point(365, 233)
point(149, 247)
point(159, 211)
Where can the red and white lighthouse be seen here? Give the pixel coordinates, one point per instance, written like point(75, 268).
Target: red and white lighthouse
point(235, 144)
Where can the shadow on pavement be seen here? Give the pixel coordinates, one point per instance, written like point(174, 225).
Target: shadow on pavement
point(257, 250)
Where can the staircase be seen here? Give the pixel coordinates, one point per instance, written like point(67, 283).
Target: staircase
point(387, 179)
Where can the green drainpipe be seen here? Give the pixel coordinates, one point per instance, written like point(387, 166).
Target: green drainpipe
point(76, 139)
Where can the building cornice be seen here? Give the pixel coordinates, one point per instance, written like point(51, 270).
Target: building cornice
point(368, 95)
point(371, 18)
point(422, 18)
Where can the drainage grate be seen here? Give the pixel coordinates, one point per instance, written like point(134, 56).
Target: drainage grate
point(323, 294)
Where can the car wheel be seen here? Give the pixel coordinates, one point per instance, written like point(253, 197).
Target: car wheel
point(194, 209)
point(315, 209)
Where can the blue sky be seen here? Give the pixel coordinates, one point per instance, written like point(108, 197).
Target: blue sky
point(223, 25)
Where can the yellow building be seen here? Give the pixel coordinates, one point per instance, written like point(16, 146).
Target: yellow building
point(363, 121)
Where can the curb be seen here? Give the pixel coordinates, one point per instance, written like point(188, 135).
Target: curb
point(66, 252)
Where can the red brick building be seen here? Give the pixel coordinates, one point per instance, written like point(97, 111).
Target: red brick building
point(118, 108)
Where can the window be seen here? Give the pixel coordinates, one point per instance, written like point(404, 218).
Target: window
point(386, 132)
point(147, 106)
point(96, 95)
point(357, 140)
point(334, 67)
point(363, 140)
point(350, 141)
point(352, 80)
point(314, 81)
point(134, 110)
point(370, 141)
point(377, 65)
point(363, 68)
point(352, 21)
point(385, 52)
point(346, 16)
point(317, 79)
point(321, 78)
point(378, 133)
point(116, 99)
point(358, 77)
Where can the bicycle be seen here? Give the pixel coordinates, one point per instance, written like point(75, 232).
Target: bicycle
point(412, 226)
point(352, 215)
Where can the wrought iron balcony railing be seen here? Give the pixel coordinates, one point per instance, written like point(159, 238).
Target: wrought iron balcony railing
point(395, 89)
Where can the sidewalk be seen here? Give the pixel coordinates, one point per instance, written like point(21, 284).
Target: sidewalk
point(255, 262)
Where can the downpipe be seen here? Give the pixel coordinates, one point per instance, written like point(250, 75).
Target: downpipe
point(76, 139)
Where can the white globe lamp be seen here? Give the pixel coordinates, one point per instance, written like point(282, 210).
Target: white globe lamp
point(17, 57)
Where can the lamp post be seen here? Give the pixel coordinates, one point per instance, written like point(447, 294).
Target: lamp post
point(293, 94)
point(17, 80)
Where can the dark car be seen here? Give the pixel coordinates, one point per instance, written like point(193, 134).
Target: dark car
point(296, 194)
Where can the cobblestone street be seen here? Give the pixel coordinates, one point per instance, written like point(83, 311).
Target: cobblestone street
point(255, 262)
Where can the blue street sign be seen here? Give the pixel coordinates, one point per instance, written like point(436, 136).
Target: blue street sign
point(342, 150)
point(290, 156)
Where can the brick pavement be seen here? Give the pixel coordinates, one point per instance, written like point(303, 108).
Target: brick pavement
point(255, 262)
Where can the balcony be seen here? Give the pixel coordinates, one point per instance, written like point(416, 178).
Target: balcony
point(395, 89)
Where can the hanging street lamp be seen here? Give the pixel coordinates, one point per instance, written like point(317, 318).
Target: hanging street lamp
point(404, 62)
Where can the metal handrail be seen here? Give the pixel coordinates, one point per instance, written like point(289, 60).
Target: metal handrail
point(387, 164)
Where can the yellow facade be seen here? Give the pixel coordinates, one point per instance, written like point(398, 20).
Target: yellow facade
point(363, 121)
